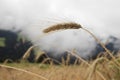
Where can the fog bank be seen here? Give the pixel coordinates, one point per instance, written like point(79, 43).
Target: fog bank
point(32, 16)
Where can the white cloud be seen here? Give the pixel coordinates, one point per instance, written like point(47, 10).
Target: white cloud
point(101, 17)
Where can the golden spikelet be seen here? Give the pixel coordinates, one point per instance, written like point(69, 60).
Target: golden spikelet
point(70, 25)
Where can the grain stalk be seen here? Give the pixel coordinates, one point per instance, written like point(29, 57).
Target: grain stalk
point(93, 67)
point(71, 25)
point(108, 52)
point(77, 26)
point(77, 56)
point(27, 53)
point(99, 42)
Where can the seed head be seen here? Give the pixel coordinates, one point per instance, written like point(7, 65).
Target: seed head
point(62, 26)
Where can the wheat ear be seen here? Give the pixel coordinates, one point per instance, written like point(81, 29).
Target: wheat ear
point(62, 26)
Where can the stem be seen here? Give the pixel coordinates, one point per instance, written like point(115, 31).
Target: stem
point(99, 42)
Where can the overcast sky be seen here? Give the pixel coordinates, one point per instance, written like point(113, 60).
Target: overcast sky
point(102, 17)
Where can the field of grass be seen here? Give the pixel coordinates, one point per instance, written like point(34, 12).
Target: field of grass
point(99, 69)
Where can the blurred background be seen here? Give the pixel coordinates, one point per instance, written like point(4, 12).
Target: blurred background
point(22, 23)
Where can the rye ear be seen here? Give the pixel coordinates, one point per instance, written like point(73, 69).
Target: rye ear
point(62, 26)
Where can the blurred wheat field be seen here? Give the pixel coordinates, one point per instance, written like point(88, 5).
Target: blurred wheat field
point(102, 68)
point(99, 69)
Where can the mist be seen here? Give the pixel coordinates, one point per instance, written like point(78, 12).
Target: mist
point(32, 16)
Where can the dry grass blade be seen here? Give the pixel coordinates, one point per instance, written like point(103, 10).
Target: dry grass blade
point(99, 43)
point(28, 72)
point(77, 56)
point(62, 26)
point(39, 55)
point(27, 53)
point(108, 52)
point(93, 68)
